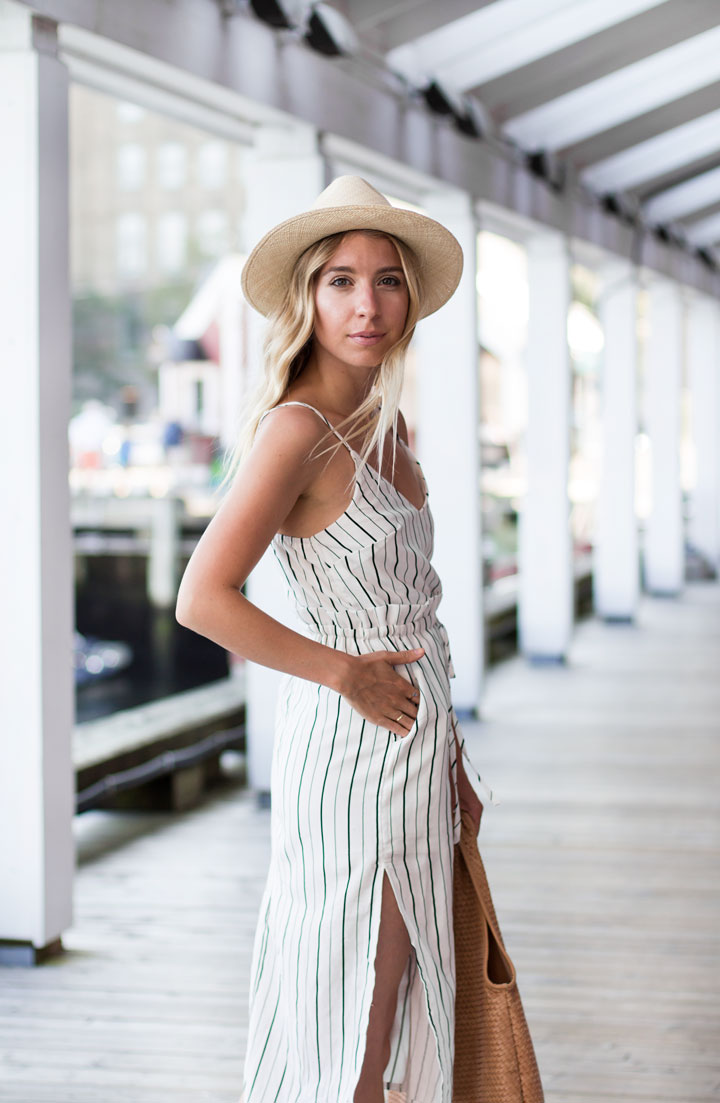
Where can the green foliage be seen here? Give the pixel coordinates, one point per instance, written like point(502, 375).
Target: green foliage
point(112, 335)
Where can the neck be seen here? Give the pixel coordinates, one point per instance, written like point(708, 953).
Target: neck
point(337, 386)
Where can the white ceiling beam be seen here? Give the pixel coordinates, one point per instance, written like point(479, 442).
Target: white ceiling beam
point(681, 145)
point(346, 156)
point(681, 200)
point(111, 66)
point(177, 104)
point(384, 26)
point(704, 232)
point(263, 76)
point(506, 35)
point(617, 97)
point(619, 138)
point(604, 52)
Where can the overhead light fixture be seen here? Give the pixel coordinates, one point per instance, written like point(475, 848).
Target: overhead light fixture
point(471, 121)
point(622, 206)
point(548, 168)
point(670, 235)
point(707, 259)
point(323, 28)
point(610, 204)
point(437, 98)
point(465, 115)
point(538, 163)
point(329, 32)
point(275, 13)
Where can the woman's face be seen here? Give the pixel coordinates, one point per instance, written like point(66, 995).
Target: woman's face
point(361, 301)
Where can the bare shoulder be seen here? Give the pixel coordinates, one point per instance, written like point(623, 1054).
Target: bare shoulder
point(284, 461)
point(298, 421)
point(293, 430)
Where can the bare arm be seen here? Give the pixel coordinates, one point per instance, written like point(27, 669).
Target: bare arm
point(274, 475)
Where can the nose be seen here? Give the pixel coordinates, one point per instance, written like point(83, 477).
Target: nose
point(366, 300)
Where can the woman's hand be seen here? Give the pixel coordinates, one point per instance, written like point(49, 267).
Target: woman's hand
point(377, 692)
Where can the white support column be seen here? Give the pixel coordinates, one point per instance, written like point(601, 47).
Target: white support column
point(449, 451)
point(664, 558)
point(233, 325)
point(545, 613)
point(162, 567)
point(285, 175)
point(703, 350)
point(37, 784)
point(616, 572)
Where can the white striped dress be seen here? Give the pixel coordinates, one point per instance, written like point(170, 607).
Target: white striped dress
point(350, 801)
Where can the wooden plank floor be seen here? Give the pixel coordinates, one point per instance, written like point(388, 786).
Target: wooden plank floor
point(602, 857)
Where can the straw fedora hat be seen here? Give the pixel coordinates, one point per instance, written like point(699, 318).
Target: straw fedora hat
point(350, 203)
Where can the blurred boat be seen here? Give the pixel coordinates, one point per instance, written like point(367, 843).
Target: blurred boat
point(94, 659)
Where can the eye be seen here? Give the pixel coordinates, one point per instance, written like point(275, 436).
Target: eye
point(393, 281)
point(343, 280)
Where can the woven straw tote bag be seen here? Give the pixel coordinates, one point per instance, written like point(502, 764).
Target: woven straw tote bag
point(494, 1056)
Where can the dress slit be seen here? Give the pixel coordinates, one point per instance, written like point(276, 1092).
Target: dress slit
point(413, 997)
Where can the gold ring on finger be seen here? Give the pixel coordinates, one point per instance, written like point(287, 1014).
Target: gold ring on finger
point(398, 718)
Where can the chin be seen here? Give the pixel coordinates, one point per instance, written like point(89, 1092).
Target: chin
point(370, 357)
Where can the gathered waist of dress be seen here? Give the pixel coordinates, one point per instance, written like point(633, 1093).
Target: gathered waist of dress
point(378, 621)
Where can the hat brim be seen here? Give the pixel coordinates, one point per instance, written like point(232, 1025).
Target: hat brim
point(267, 271)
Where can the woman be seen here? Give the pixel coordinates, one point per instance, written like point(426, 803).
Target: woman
point(353, 969)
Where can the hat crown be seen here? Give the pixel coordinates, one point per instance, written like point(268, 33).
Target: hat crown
point(350, 191)
point(350, 203)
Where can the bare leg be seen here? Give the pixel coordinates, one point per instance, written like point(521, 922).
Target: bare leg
point(393, 950)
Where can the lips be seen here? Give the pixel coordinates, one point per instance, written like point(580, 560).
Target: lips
point(366, 338)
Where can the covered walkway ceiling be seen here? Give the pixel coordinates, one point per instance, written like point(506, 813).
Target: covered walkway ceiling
point(599, 118)
point(625, 92)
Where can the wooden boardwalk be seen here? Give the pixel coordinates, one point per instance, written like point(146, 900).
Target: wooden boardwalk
point(602, 856)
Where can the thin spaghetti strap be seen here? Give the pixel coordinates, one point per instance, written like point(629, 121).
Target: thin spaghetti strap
point(296, 402)
point(424, 480)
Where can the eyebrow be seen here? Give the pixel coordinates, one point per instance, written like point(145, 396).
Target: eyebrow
point(347, 268)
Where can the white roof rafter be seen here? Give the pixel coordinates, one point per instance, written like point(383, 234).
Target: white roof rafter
point(613, 99)
point(505, 35)
point(692, 195)
point(667, 151)
point(641, 61)
point(706, 231)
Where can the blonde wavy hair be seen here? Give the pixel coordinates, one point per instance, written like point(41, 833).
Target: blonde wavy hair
point(288, 343)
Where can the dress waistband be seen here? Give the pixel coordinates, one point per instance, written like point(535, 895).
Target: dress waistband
point(377, 622)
